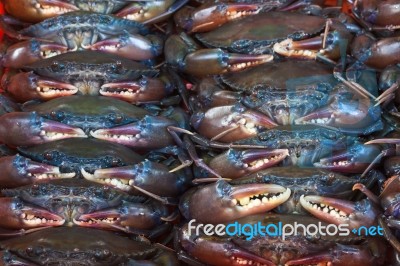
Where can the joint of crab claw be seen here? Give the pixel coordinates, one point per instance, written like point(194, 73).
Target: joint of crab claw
point(237, 163)
point(339, 211)
point(26, 129)
point(205, 62)
point(231, 202)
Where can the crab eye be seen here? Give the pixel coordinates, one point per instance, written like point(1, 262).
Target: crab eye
point(57, 115)
point(115, 162)
point(143, 82)
point(330, 135)
point(17, 205)
point(102, 254)
point(48, 156)
point(116, 118)
point(57, 67)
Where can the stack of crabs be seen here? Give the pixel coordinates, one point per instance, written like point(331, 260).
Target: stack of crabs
point(122, 121)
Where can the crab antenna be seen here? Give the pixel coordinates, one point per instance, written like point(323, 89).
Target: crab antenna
point(207, 180)
point(366, 192)
point(184, 164)
point(223, 133)
point(327, 27)
point(154, 196)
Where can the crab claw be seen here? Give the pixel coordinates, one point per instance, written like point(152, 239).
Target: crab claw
point(230, 123)
point(237, 163)
point(330, 45)
point(349, 255)
point(27, 129)
point(217, 251)
point(131, 46)
point(18, 215)
point(339, 211)
point(215, 61)
point(150, 12)
point(141, 91)
point(384, 141)
point(142, 216)
point(149, 133)
point(26, 52)
point(43, 9)
point(29, 86)
point(182, 53)
point(208, 17)
point(346, 114)
point(150, 176)
point(230, 202)
point(355, 160)
point(20, 171)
